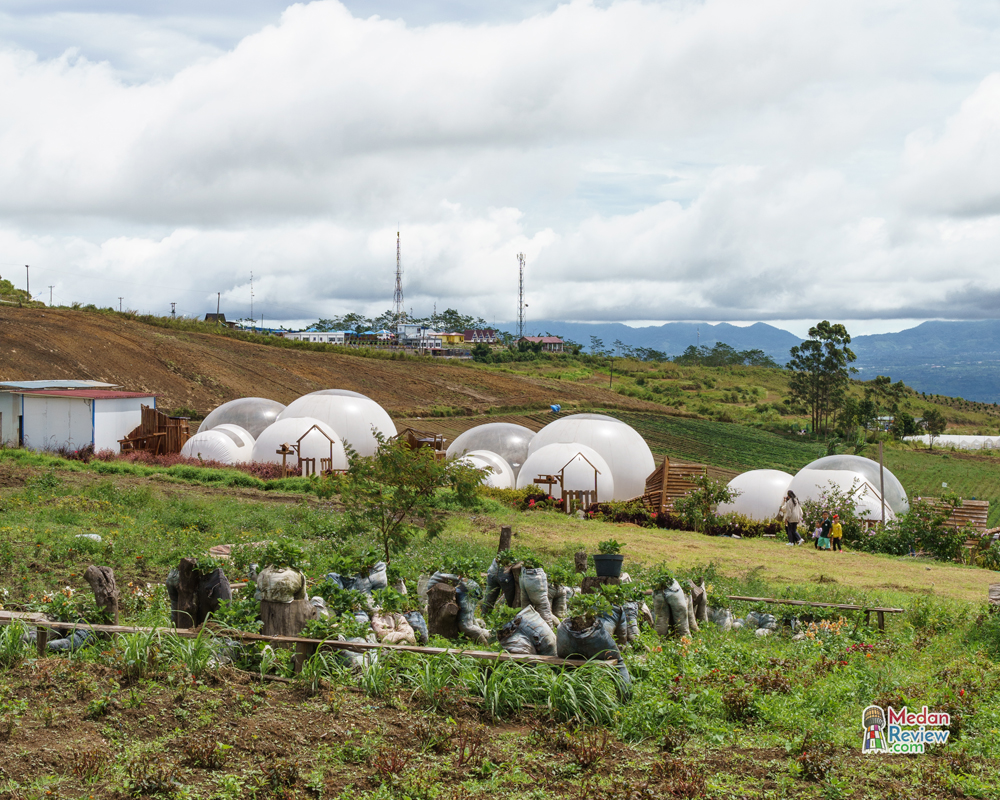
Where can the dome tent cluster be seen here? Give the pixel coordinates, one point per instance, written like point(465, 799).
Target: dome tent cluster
point(761, 491)
point(319, 424)
point(586, 451)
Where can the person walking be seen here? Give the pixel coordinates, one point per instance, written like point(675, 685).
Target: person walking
point(791, 515)
point(836, 534)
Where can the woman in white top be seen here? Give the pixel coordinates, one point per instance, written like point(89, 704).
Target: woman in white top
point(791, 515)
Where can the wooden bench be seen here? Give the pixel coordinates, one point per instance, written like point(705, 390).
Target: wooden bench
point(879, 611)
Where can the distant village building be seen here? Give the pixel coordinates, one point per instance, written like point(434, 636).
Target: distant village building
point(487, 336)
point(51, 415)
point(219, 319)
point(550, 344)
point(321, 337)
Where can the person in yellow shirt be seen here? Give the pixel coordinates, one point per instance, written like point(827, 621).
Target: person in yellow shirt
point(836, 534)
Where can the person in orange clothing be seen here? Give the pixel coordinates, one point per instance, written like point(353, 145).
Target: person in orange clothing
point(836, 534)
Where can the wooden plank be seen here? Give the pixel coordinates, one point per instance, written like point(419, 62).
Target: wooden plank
point(243, 636)
point(844, 606)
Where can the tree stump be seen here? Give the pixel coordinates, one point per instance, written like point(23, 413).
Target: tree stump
point(442, 611)
point(184, 612)
point(102, 583)
point(285, 619)
point(580, 561)
point(505, 536)
point(516, 601)
point(592, 583)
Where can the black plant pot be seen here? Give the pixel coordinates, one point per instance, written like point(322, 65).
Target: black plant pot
point(608, 565)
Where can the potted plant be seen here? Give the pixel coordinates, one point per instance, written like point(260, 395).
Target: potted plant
point(608, 559)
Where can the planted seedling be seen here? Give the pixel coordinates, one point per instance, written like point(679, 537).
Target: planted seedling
point(586, 608)
point(609, 547)
point(661, 577)
point(388, 600)
point(561, 575)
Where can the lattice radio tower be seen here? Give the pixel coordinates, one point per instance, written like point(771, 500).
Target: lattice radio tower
point(520, 297)
point(399, 316)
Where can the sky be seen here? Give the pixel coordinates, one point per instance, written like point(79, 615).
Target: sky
point(719, 160)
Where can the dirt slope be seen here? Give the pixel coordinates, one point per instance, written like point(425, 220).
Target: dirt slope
point(200, 371)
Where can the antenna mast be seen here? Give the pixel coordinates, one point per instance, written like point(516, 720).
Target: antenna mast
point(520, 297)
point(399, 315)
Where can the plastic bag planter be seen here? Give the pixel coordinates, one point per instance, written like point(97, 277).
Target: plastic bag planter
point(467, 593)
point(528, 634)
point(591, 642)
point(670, 610)
point(722, 617)
point(499, 582)
point(616, 624)
point(377, 578)
point(419, 625)
point(535, 590)
point(559, 596)
point(281, 585)
point(393, 628)
point(631, 621)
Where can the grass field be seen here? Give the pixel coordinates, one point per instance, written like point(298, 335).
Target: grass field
point(715, 715)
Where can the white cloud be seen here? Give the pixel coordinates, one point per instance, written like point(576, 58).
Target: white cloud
point(721, 160)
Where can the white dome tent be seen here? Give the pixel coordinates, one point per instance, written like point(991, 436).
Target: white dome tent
point(622, 448)
point(500, 474)
point(242, 439)
point(761, 492)
point(583, 469)
point(812, 484)
point(895, 494)
point(351, 414)
point(213, 445)
point(507, 440)
point(253, 414)
point(314, 438)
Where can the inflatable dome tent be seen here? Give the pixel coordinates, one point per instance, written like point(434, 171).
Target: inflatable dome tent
point(624, 451)
point(227, 444)
point(499, 474)
point(349, 413)
point(315, 438)
point(583, 469)
point(895, 495)
point(761, 492)
point(812, 484)
point(253, 414)
point(507, 440)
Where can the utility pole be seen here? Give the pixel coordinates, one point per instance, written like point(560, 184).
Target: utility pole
point(27, 282)
point(520, 297)
point(173, 311)
point(218, 302)
point(399, 315)
point(50, 296)
point(120, 304)
point(251, 300)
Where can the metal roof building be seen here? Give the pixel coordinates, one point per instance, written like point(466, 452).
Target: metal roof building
point(49, 415)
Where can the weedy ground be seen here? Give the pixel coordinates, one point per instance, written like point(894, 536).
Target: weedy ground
point(715, 715)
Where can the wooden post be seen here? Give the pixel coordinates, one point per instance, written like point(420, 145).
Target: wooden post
point(102, 584)
point(881, 481)
point(505, 538)
point(592, 583)
point(881, 620)
point(442, 611)
point(515, 574)
point(580, 561)
point(303, 652)
point(666, 480)
point(41, 640)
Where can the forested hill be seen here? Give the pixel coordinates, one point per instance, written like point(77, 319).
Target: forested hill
point(958, 359)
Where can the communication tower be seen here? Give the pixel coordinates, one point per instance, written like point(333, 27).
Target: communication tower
point(399, 315)
point(520, 297)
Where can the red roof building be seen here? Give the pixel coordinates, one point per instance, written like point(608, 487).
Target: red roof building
point(550, 344)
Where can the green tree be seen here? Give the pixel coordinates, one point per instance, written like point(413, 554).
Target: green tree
point(820, 369)
point(391, 495)
point(698, 506)
point(481, 352)
point(934, 423)
point(596, 346)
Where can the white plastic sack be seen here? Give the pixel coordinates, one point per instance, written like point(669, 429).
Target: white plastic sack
point(281, 585)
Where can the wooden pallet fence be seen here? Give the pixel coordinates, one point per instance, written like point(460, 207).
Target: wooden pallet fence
point(157, 433)
point(669, 482)
point(880, 611)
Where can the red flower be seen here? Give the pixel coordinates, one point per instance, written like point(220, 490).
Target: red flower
point(961, 692)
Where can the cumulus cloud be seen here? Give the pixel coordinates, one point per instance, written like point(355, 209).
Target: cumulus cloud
point(716, 160)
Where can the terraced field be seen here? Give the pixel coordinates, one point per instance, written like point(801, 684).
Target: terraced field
point(735, 447)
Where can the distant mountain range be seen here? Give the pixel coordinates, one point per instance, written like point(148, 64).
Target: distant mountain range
point(957, 359)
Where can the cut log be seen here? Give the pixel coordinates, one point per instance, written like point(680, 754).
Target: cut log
point(212, 589)
point(102, 583)
point(442, 611)
point(592, 583)
point(285, 619)
point(580, 561)
point(505, 536)
point(516, 601)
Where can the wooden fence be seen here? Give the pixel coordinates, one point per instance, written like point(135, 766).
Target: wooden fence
point(157, 433)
